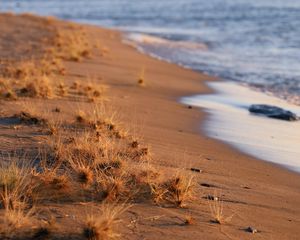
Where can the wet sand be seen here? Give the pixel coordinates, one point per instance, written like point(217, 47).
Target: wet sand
point(265, 138)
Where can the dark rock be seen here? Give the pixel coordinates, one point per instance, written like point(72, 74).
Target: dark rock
point(273, 112)
point(57, 110)
point(196, 170)
point(190, 107)
point(211, 197)
point(208, 185)
point(251, 230)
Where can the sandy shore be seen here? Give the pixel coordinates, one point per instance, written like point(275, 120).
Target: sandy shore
point(254, 193)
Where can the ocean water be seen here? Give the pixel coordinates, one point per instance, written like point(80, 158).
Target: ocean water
point(256, 43)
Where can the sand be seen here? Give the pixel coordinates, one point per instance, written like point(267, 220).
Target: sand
point(254, 193)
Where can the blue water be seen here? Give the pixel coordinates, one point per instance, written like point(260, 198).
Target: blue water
point(255, 42)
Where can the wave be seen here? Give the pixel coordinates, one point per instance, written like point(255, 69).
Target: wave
point(145, 39)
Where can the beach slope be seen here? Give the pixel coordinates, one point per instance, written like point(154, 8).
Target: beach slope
point(253, 193)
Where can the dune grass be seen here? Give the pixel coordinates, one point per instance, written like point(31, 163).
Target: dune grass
point(92, 158)
point(104, 225)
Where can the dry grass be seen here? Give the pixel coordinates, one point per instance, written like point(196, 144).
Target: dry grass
point(22, 70)
point(216, 209)
point(35, 77)
point(181, 189)
point(134, 144)
point(92, 90)
point(101, 121)
point(52, 182)
point(141, 78)
point(15, 185)
point(52, 65)
point(95, 160)
point(71, 45)
point(16, 196)
point(84, 174)
point(39, 87)
point(189, 220)
point(6, 91)
point(12, 221)
point(104, 225)
point(110, 188)
point(30, 82)
point(158, 192)
point(103, 168)
point(76, 85)
point(81, 117)
point(62, 90)
point(54, 126)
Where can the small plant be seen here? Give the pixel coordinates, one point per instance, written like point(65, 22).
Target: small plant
point(81, 117)
point(51, 182)
point(75, 85)
point(134, 144)
point(37, 87)
point(10, 95)
point(22, 70)
point(15, 185)
point(141, 79)
point(44, 231)
point(60, 182)
point(189, 220)
point(62, 89)
point(85, 175)
point(103, 227)
point(12, 221)
point(181, 189)
point(158, 192)
point(53, 126)
point(216, 209)
point(71, 44)
point(92, 90)
point(83, 172)
point(112, 188)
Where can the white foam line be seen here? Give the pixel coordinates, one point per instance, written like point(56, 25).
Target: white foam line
point(264, 138)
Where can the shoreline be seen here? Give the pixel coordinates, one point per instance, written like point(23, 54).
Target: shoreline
point(172, 131)
point(214, 92)
point(255, 168)
point(229, 121)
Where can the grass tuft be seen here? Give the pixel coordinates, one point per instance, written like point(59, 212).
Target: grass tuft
point(141, 78)
point(104, 226)
point(189, 220)
point(181, 189)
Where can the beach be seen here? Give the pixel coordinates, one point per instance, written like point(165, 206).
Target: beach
point(254, 193)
